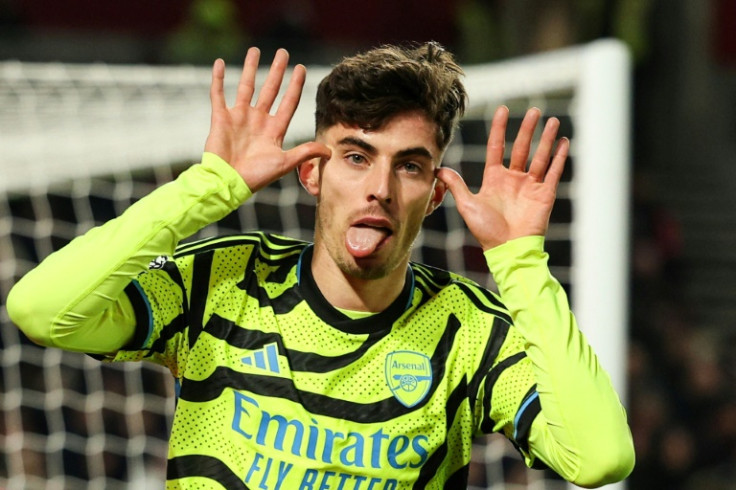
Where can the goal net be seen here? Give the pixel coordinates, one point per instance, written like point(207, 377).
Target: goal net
point(80, 143)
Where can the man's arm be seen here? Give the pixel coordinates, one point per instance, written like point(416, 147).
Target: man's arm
point(581, 432)
point(588, 443)
point(74, 299)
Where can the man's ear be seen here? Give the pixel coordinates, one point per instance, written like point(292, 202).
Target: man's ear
point(309, 175)
point(438, 195)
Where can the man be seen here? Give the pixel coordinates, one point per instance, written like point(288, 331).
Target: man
point(340, 364)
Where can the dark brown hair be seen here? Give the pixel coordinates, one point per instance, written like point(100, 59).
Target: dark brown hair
point(370, 88)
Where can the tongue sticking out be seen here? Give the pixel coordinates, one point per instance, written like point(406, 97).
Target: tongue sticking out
point(362, 241)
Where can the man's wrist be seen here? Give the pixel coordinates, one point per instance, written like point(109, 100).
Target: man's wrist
point(224, 170)
point(505, 257)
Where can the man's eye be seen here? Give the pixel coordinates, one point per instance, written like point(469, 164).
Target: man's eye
point(411, 167)
point(355, 158)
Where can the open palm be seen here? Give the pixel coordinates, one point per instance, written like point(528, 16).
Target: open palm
point(512, 202)
point(246, 135)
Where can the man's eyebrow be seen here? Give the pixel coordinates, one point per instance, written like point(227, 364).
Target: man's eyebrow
point(351, 140)
point(418, 151)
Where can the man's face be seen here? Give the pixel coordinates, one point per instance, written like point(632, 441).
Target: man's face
point(373, 193)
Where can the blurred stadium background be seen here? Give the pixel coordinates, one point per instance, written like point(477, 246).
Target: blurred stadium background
point(681, 364)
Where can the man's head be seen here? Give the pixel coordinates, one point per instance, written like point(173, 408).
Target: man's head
point(387, 116)
point(369, 89)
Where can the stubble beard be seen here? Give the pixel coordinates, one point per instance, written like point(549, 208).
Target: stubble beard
point(363, 269)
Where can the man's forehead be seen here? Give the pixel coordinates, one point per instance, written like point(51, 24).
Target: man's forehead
point(405, 133)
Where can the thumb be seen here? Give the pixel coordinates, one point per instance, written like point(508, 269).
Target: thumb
point(307, 151)
point(455, 183)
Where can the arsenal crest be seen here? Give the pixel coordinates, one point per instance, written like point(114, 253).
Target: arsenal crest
point(409, 376)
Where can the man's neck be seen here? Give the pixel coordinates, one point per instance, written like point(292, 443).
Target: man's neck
point(350, 293)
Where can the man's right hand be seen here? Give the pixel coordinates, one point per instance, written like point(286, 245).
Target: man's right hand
point(246, 135)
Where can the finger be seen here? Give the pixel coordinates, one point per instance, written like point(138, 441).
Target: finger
point(523, 142)
point(272, 85)
point(247, 84)
point(455, 183)
point(541, 159)
point(290, 100)
point(306, 151)
point(557, 167)
point(217, 92)
point(497, 138)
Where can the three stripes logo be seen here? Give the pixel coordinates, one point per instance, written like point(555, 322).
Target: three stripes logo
point(265, 358)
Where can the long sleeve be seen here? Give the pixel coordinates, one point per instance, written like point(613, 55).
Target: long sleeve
point(581, 432)
point(74, 299)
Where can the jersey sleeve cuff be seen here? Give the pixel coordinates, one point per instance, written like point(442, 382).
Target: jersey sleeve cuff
point(143, 316)
point(225, 171)
point(520, 270)
point(503, 259)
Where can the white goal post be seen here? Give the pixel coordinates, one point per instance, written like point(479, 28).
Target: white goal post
point(81, 142)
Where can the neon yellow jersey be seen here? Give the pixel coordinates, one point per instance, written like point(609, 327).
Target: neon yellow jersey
point(281, 390)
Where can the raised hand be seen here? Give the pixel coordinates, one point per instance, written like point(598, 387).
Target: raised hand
point(517, 201)
point(246, 135)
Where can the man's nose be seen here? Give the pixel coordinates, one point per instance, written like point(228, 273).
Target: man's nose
point(380, 185)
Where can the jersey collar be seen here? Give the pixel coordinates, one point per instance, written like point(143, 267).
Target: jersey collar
point(322, 308)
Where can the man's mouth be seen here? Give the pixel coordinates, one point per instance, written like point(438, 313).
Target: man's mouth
point(366, 236)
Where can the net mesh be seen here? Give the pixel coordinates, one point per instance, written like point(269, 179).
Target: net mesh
point(83, 143)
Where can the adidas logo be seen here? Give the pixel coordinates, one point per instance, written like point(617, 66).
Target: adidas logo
point(266, 358)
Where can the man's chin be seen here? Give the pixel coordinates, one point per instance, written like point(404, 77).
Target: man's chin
point(372, 267)
point(367, 268)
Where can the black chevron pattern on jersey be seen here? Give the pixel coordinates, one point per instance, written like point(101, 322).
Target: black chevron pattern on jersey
point(282, 304)
point(432, 280)
point(177, 326)
point(142, 315)
point(215, 243)
point(280, 274)
point(205, 467)
point(272, 247)
point(524, 426)
point(498, 335)
point(223, 377)
point(488, 423)
point(202, 269)
point(434, 462)
point(459, 479)
point(244, 338)
point(484, 300)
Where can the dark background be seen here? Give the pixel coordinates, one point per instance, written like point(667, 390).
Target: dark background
point(682, 401)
